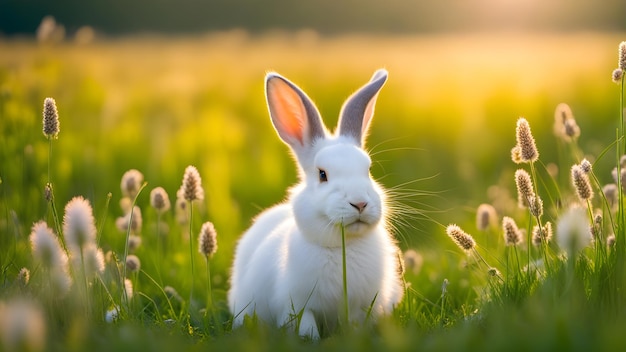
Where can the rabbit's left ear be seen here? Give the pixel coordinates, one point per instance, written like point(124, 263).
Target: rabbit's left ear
point(358, 109)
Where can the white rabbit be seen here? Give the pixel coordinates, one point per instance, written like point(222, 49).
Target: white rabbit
point(290, 260)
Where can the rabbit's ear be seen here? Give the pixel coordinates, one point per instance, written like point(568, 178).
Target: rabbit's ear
point(358, 109)
point(293, 114)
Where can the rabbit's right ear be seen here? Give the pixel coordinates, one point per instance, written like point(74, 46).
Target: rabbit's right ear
point(293, 114)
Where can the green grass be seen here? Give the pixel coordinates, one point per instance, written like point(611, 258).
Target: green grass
point(443, 131)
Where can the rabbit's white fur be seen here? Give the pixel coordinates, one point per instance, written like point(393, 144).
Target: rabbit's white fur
point(290, 260)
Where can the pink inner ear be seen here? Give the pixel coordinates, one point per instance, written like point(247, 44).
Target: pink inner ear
point(287, 110)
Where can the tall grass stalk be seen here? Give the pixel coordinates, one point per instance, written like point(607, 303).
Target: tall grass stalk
point(128, 230)
point(193, 276)
point(346, 307)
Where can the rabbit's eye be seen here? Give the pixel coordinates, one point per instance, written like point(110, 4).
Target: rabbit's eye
point(323, 177)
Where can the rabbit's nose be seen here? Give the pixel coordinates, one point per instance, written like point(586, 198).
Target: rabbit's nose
point(359, 206)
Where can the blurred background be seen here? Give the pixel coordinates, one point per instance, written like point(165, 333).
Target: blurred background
point(323, 16)
point(157, 85)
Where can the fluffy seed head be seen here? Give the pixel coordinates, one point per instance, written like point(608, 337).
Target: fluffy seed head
point(133, 264)
point(622, 56)
point(50, 119)
point(47, 192)
point(610, 241)
point(191, 188)
point(525, 191)
point(516, 155)
point(512, 234)
point(585, 165)
point(572, 131)
point(135, 223)
point(23, 277)
point(128, 286)
point(572, 231)
point(172, 293)
point(93, 260)
point(134, 242)
point(461, 238)
point(60, 281)
point(207, 241)
point(526, 142)
point(535, 205)
point(22, 326)
point(46, 248)
point(486, 217)
point(79, 226)
point(112, 314)
point(617, 75)
point(159, 200)
point(581, 183)
point(131, 183)
point(413, 261)
point(542, 234)
point(610, 193)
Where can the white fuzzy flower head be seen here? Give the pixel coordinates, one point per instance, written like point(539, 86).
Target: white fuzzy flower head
point(159, 200)
point(92, 260)
point(131, 183)
point(135, 223)
point(79, 227)
point(191, 189)
point(128, 287)
point(207, 241)
point(573, 231)
point(46, 248)
point(22, 326)
point(112, 315)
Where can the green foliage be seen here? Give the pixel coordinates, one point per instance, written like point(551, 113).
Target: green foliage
point(440, 142)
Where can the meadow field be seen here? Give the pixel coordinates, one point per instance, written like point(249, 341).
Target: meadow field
point(441, 141)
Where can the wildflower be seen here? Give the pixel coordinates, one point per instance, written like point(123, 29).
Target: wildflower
point(134, 242)
point(128, 288)
point(93, 260)
point(610, 193)
point(60, 280)
point(516, 155)
point(172, 293)
point(137, 221)
point(22, 326)
point(413, 261)
point(159, 200)
point(207, 241)
point(581, 183)
point(524, 188)
point(126, 204)
point(585, 165)
point(45, 246)
point(78, 224)
point(535, 205)
point(622, 56)
point(610, 241)
point(131, 183)
point(133, 264)
point(112, 314)
point(23, 277)
point(461, 238)
point(542, 234)
point(485, 216)
point(50, 119)
point(573, 230)
point(565, 126)
point(572, 131)
point(525, 141)
point(191, 188)
point(493, 272)
point(47, 192)
point(182, 215)
point(512, 234)
point(617, 75)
